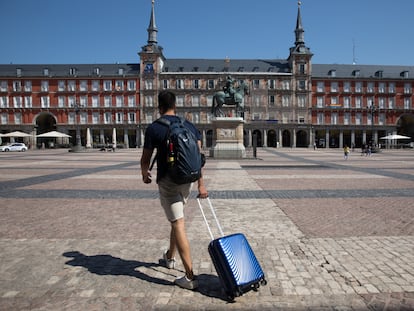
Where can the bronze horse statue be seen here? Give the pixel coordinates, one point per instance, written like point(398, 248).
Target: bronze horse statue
point(230, 97)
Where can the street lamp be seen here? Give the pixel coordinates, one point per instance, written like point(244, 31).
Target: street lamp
point(78, 145)
point(372, 109)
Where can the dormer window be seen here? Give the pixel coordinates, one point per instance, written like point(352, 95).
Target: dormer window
point(356, 73)
point(45, 72)
point(181, 69)
point(18, 72)
point(378, 74)
point(96, 71)
point(195, 69)
point(210, 69)
point(255, 69)
point(404, 74)
point(332, 73)
point(241, 69)
point(120, 71)
point(72, 71)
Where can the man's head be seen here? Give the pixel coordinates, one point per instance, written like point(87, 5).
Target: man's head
point(166, 101)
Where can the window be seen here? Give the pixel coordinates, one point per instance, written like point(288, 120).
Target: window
point(107, 118)
point(285, 85)
point(61, 85)
point(3, 86)
point(180, 84)
point(370, 87)
point(119, 117)
point(209, 100)
point(195, 101)
point(272, 84)
point(95, 86)
point(27, 86)
point(119, 101)
point(347, 118)
point(83, 101)
point(149, 101)
point(131, 101)
point(256, 101)
point(381, 119)
point(391, 87)
point(132, 85)
point(61, 101)
point(358, 102)
point(17, 86)
point(107, 101)
point(334, 87)
point(96, 71)
point(180, 101)
point(358, 87)
point(166, 84)
point(95, 101)
point(332, 73)
point(4, 102)
point(72, 71)
point(320, 118)
point(17, 102)
point(46, 72)
point(381, 87)
point(119, 85)
point(17, 118)
point(95, 118)
point(334, 101)
point(28, 102)
point(71, 101)
point(407, 88)
point(107, 85)
point(256, 83)
point(301, 101)
point(347, 87)
point(18, 72)
point(347, 102)
point(149, 84)
point(71, 118)
point(271, 100)
point(121, 71)
point(334, 118)
point(83, 118)
point(370, 102)
point(210, 84)
point(407, 103)
point(302, 69)
point(45, 102)
point(302, 85)
point(358, 118)
point(320, 87)
point(369, 119)
point(148, 117)
point(391, 103)
point(131, 118)
point(320, 102)
point(4, 118)
point(71, 86)
point(44, 86)
point(285, 101)
point(83, 86)
point(381, 102)
point(196, 84)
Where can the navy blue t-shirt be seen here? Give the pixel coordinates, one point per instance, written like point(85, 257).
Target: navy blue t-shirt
point(155, 136)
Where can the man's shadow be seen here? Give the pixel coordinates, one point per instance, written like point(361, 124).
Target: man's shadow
point(209, 285)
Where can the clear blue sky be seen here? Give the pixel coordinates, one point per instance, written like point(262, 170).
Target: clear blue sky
point(103, 31)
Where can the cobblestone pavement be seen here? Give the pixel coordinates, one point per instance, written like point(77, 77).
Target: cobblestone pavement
point(80, 231)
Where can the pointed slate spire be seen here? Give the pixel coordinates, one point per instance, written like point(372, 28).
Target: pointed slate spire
point(299, 31)
point(152, 28)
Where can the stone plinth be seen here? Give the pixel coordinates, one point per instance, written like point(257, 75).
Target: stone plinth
point(228, 138)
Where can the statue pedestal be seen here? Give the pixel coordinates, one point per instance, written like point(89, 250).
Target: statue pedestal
point(228, 138)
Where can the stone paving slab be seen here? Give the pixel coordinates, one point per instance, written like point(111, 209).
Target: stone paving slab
point(89, 236)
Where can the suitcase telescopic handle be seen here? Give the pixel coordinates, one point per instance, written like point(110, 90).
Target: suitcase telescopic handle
point(214, 215)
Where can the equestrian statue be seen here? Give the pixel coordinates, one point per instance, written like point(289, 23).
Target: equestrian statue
point(230, 96)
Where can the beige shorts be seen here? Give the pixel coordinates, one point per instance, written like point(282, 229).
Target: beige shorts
point(173, 198)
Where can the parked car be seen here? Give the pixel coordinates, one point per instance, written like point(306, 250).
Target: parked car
point(14, 147)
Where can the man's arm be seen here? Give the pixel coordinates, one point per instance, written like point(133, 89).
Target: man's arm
point(202, 190)
point(145, 164)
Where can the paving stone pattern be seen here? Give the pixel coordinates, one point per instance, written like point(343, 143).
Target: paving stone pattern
point(80, 231)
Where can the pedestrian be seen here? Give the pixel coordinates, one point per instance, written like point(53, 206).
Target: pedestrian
point(173, 197)
point(346, 152)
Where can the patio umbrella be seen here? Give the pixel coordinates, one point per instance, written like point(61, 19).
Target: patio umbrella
point(395, 137)
point(54, 134)
point(16, 134)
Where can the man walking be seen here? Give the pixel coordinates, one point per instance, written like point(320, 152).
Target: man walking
point(173, 197)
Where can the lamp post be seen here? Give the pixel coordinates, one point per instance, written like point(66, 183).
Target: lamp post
point(372, 109)
point(78, 146)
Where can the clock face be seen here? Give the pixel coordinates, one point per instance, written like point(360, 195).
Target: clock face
point(149, 68)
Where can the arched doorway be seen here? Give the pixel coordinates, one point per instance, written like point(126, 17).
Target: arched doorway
point(271, 138)
point(286, 139)
point(45, 122)
point(405, 125)
point(245, 138)
point(301, 139)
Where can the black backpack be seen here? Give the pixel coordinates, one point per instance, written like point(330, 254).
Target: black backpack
point(183, 154)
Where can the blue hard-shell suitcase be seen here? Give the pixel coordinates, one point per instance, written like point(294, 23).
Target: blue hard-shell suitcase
point(234, 260)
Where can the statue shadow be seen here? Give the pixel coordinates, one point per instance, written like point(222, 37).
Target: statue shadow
point(209, 285)
point(109, 265)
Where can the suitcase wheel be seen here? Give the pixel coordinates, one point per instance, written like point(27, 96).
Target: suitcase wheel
point(263, 282)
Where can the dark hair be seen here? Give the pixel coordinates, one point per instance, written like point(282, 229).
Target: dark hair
point(166, 101)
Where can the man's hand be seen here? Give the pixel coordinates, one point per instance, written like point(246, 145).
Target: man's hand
point(202, 192)
point(147, 178)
